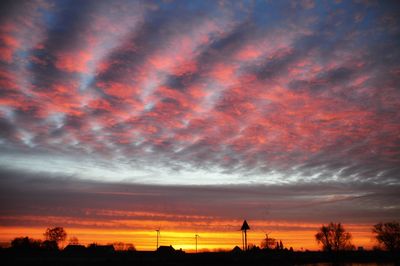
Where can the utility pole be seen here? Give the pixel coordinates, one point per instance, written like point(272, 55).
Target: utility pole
point(196, 236)
point(158, 235)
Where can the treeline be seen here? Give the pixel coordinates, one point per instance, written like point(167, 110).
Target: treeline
point(335, 240)
point(332, 238)
point(54, 237)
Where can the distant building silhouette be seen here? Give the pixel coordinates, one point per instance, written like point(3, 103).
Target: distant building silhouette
point(73, 249)
point(168, 250)
point(165, 250)
point(104, 249)
point(236, 249)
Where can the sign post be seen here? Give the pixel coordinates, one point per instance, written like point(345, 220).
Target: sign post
point(244, 229)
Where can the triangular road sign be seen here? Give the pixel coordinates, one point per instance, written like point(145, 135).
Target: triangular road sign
point(245, 226)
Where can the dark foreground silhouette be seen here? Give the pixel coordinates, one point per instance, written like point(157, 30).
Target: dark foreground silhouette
point(106, 255)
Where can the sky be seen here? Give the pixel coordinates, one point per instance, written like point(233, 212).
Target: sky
point(118, 118)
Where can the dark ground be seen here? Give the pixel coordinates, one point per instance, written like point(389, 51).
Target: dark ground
point(261, 257)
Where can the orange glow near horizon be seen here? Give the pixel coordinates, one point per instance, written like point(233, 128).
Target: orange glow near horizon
point(145, 240)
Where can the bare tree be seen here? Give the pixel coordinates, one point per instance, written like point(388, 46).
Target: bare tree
point(56, 234)
point(130, 247)
point(121, 246)
point(388, 234)
point(73, 240)
point(268, 242)
point(334, 237)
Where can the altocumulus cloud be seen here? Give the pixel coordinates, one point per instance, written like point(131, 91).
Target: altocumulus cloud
point(202, 92)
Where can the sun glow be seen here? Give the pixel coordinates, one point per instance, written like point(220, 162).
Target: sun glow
point(208, 240)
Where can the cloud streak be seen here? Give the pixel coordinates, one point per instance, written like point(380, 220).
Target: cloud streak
point(348, 202)
point(37, 200)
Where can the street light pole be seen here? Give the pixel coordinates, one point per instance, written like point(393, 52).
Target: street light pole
point(158, 235)
point(196, 236)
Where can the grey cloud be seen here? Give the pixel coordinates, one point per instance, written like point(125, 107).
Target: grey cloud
point(27, 194)
point(7, 129)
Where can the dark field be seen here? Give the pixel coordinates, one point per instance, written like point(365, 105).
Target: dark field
point(13, 257)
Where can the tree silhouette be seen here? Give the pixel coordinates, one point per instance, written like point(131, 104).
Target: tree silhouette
point(280, 244)
point(388, 234)
point(73, 240)
point(25, 244)
point(49, 245)
point(334, 237)
point(121, 246)
point(56, 234)
point(268, 242)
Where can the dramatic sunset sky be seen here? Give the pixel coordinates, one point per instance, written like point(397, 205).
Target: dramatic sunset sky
point(118, 118)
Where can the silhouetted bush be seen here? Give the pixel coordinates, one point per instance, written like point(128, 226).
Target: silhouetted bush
point(49, 245)
point(25, 244)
